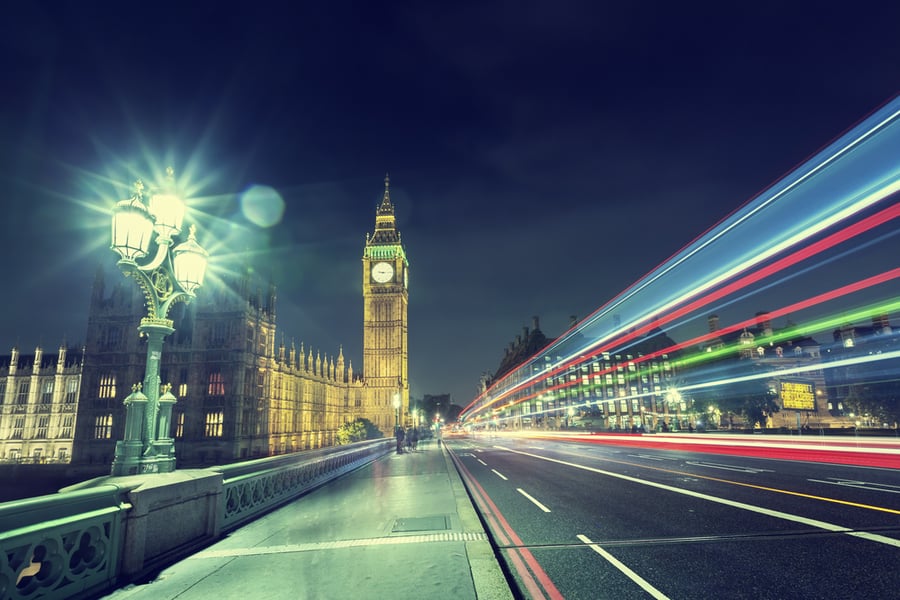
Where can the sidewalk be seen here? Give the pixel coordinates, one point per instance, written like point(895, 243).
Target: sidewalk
point(401, 527)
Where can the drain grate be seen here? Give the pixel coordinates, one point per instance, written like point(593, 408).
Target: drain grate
point(435, 523)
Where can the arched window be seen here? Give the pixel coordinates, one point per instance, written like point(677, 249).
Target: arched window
point(216, 385)
point(107, 386)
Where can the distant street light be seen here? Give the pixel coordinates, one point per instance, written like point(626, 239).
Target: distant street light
point(172, 275)
point(673, 397)
point(397, 420)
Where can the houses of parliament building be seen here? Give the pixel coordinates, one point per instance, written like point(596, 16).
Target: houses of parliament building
point(241, 393)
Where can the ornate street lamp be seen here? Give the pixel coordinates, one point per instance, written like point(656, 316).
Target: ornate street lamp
point(172, 275)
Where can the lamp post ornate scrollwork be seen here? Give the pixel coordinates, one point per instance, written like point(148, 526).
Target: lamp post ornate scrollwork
point(172, 275)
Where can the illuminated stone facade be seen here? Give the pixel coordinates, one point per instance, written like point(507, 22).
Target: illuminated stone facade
point(38, 400)
point(385, 278)
point(615, 391)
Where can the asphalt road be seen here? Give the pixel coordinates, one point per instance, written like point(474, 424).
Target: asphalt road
point(595, 521)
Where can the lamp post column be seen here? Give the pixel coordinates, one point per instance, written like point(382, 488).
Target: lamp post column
point(156, 331)
point(170, 275)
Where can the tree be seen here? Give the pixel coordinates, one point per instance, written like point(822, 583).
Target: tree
point(878, 399)
point(435, 405)
point(754, 400)
point(356, 431)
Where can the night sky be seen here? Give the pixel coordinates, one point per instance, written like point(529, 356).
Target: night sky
point(543, 155)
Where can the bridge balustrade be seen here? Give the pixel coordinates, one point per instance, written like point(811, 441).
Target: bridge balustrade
point(61, 545)
point(92, 537)
point(256, 487)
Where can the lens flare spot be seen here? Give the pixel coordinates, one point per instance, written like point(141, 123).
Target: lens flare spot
point(262, 205)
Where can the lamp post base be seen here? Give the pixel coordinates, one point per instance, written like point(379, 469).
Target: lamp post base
point(158, 464)
point(131, 460)
point(127, 459)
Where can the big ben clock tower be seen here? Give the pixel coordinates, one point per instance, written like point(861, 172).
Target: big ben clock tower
point(385, 300)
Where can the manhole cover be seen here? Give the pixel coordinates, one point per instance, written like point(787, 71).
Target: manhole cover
point(421, 524)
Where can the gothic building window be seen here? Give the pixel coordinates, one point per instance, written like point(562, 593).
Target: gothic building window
point(47, 393)
point(2, 390)
point(179, 425)
point(247, 422)
point(65, 430)
point(22, 395)
point(103, 427)
point(182, 386)
point(261, 385)
point(218, 336)
point(42, 425)
point(249, 382)
point(263, 343)
point(107, 386)
point(216, 385)
point(214, 421)
point(18, 428)
point(71, 392)
point(112, 339)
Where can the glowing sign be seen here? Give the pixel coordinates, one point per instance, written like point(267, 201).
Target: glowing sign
point(796, 395)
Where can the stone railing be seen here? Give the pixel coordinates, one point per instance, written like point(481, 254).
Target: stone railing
point(95, 536)
point(61, 545)
point(257, 486)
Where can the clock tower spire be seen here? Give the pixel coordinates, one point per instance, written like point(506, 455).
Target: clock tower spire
point(385, 326)
point(385, 224)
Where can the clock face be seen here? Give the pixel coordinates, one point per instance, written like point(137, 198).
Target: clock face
point(382, 272)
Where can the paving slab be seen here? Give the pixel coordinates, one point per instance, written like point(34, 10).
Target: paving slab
point(400, 527)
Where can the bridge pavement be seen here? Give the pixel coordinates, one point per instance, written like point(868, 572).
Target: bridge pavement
point(400, 527)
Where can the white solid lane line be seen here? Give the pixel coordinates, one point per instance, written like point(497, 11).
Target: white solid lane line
point(863, 485)
point(622, 567)
point(740, 469)
point(536, 503)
